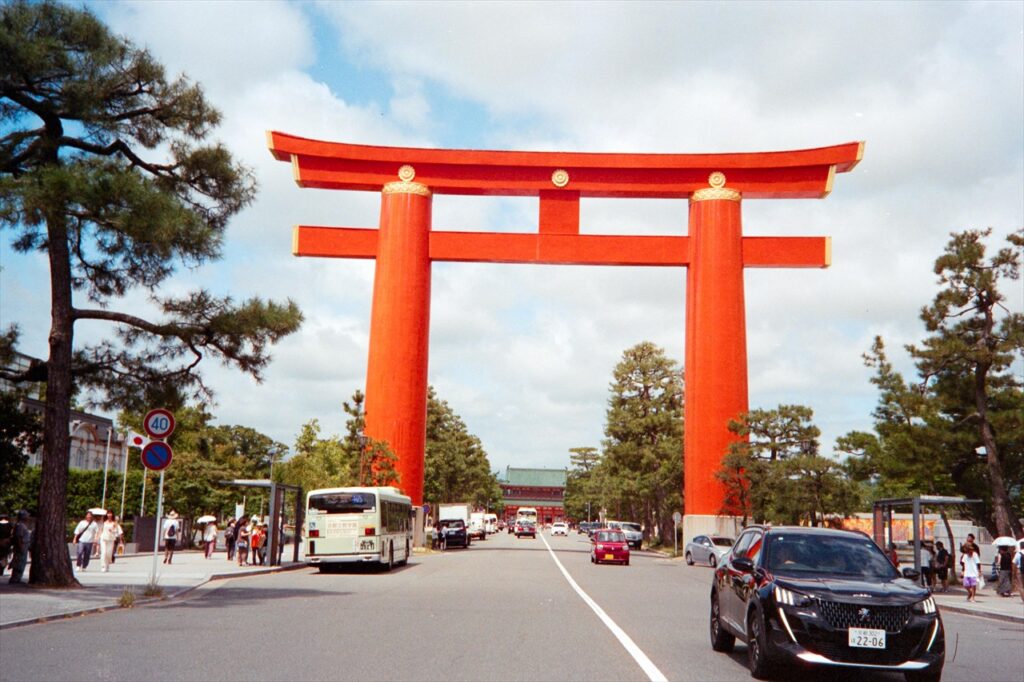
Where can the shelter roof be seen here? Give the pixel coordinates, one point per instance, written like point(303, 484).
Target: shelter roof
point(540, 478)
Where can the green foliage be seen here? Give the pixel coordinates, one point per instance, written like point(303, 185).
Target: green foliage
point(19, 432)
point(639, 475)
point(925, 435)
point(456, 467)
point(582, 496)
point(775, 474)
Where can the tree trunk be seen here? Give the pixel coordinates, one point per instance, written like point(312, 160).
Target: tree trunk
point(1006, 522)
point(952, 548)
point(51, 563)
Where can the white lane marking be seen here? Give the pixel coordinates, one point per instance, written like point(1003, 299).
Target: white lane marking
point(625, 640)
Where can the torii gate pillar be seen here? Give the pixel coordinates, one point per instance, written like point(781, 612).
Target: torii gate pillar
point(396, 372)
point(716, 352)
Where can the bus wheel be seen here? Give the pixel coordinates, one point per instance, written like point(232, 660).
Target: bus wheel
point(407, 551)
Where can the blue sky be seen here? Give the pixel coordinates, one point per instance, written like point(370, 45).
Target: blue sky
point(525, 353)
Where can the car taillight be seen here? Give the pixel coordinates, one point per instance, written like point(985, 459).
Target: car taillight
point(314, 533)
point(370, 531)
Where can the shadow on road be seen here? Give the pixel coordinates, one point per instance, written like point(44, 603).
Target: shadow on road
point(231, 595)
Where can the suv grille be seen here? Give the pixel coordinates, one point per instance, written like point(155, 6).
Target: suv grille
point(845, 615)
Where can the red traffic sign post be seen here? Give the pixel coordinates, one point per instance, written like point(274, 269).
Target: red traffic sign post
point(159, 423)
point(156, 456)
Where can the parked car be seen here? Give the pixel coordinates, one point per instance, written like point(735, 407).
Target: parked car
point(708, 549)
point(526, 528)
point(559, 528)
point(823, 597)
point(633, 532)
point(584, 527)
point(609, 545)
point(453, 533)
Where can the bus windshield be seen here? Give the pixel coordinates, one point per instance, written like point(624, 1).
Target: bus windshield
point(344, 503)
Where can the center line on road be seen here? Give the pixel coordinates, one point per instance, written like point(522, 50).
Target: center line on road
point(625, 640)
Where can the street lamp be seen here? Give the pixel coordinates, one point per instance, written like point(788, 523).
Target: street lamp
point(362, 454)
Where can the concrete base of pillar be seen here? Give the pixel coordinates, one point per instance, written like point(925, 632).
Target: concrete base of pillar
point(708, 524)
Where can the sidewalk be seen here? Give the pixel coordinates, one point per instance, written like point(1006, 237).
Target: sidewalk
point(22, 604)
point(989, 604)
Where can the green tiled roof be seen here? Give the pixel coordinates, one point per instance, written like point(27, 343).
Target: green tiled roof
point(536, 477)
point(534, 503)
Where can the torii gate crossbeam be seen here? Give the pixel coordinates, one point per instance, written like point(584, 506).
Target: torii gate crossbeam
point(714, 251)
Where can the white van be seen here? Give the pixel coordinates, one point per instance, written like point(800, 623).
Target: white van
point(490, 523)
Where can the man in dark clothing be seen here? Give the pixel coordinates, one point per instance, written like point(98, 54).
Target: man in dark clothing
point(22, 539)
point(1005, 563)
point(942, 563)
point(970, 541)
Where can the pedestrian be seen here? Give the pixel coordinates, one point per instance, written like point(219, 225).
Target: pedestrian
point(86, 533)
point(264, 544)
point(108, 540)
point(1005, 557)
point(927, 565)
point(21, 540)
point(942, 564)
point(210, 538)
point(230, 537)
point(242, 543)
point(256, 544)
point(6, 541)
point(172, 529)
point(119, 540)
point(970, 542)
point(894, 556)
point(970, 569)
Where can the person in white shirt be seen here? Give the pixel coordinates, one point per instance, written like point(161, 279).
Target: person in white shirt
point(108, 538)
point(172, 529)
point(210, 538)
point(970, 562)
point(86, 533)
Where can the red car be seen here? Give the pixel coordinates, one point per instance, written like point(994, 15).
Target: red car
point(609, 545)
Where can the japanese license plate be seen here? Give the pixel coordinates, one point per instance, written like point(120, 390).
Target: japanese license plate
point(866, 638)
point(609, 556)
point(365, 546)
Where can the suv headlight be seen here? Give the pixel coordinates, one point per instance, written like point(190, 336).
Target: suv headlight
point(925, 606)
point(791, 598)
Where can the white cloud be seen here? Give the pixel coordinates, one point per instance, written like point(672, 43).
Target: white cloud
point(525, 354)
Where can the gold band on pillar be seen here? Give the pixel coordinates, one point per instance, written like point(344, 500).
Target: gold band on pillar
point(717, 190)
point(403, 187)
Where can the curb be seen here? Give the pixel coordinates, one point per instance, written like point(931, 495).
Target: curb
point(982, 614)
point(146, 601)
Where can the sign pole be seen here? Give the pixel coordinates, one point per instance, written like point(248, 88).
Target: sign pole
point(156, 532)
point(142, 505)
point(106, 467)
point(124, 476)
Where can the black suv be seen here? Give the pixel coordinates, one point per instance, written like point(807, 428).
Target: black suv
point(823, 597)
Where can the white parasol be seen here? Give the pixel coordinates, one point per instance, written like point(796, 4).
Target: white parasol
point(206, 519)
point(1004, 541)
point(97, 511)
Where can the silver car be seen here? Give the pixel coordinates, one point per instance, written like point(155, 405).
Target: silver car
point(707, 549)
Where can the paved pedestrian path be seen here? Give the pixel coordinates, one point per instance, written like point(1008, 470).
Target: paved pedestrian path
point(989, 604)
point(21, 604)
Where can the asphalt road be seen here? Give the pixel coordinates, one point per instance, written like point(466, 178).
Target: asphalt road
point(501, 610)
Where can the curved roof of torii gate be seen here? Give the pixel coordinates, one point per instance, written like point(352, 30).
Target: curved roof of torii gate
point(805, 173)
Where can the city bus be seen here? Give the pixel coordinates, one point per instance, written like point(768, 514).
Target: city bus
point(526, 514)
point(357, 525)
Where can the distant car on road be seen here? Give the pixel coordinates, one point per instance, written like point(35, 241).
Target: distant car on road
point(453, 533)
point(609, 545)
point(526, 528)
point(824, 598)
point(708, 549)
point(559, 528)
point(632, 531)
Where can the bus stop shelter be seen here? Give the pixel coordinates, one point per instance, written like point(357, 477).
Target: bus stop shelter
point(276, 513)
point(882, 517)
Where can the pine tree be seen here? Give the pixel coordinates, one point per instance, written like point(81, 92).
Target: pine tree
point(106, 167)
point(974, 338)
point(641, 470)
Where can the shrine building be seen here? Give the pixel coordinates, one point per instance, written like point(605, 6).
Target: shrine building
point(543, 489)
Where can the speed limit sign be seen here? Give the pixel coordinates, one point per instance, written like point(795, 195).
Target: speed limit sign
point(159, 423)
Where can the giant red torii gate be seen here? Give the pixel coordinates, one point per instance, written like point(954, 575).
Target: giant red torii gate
point(714, 251)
